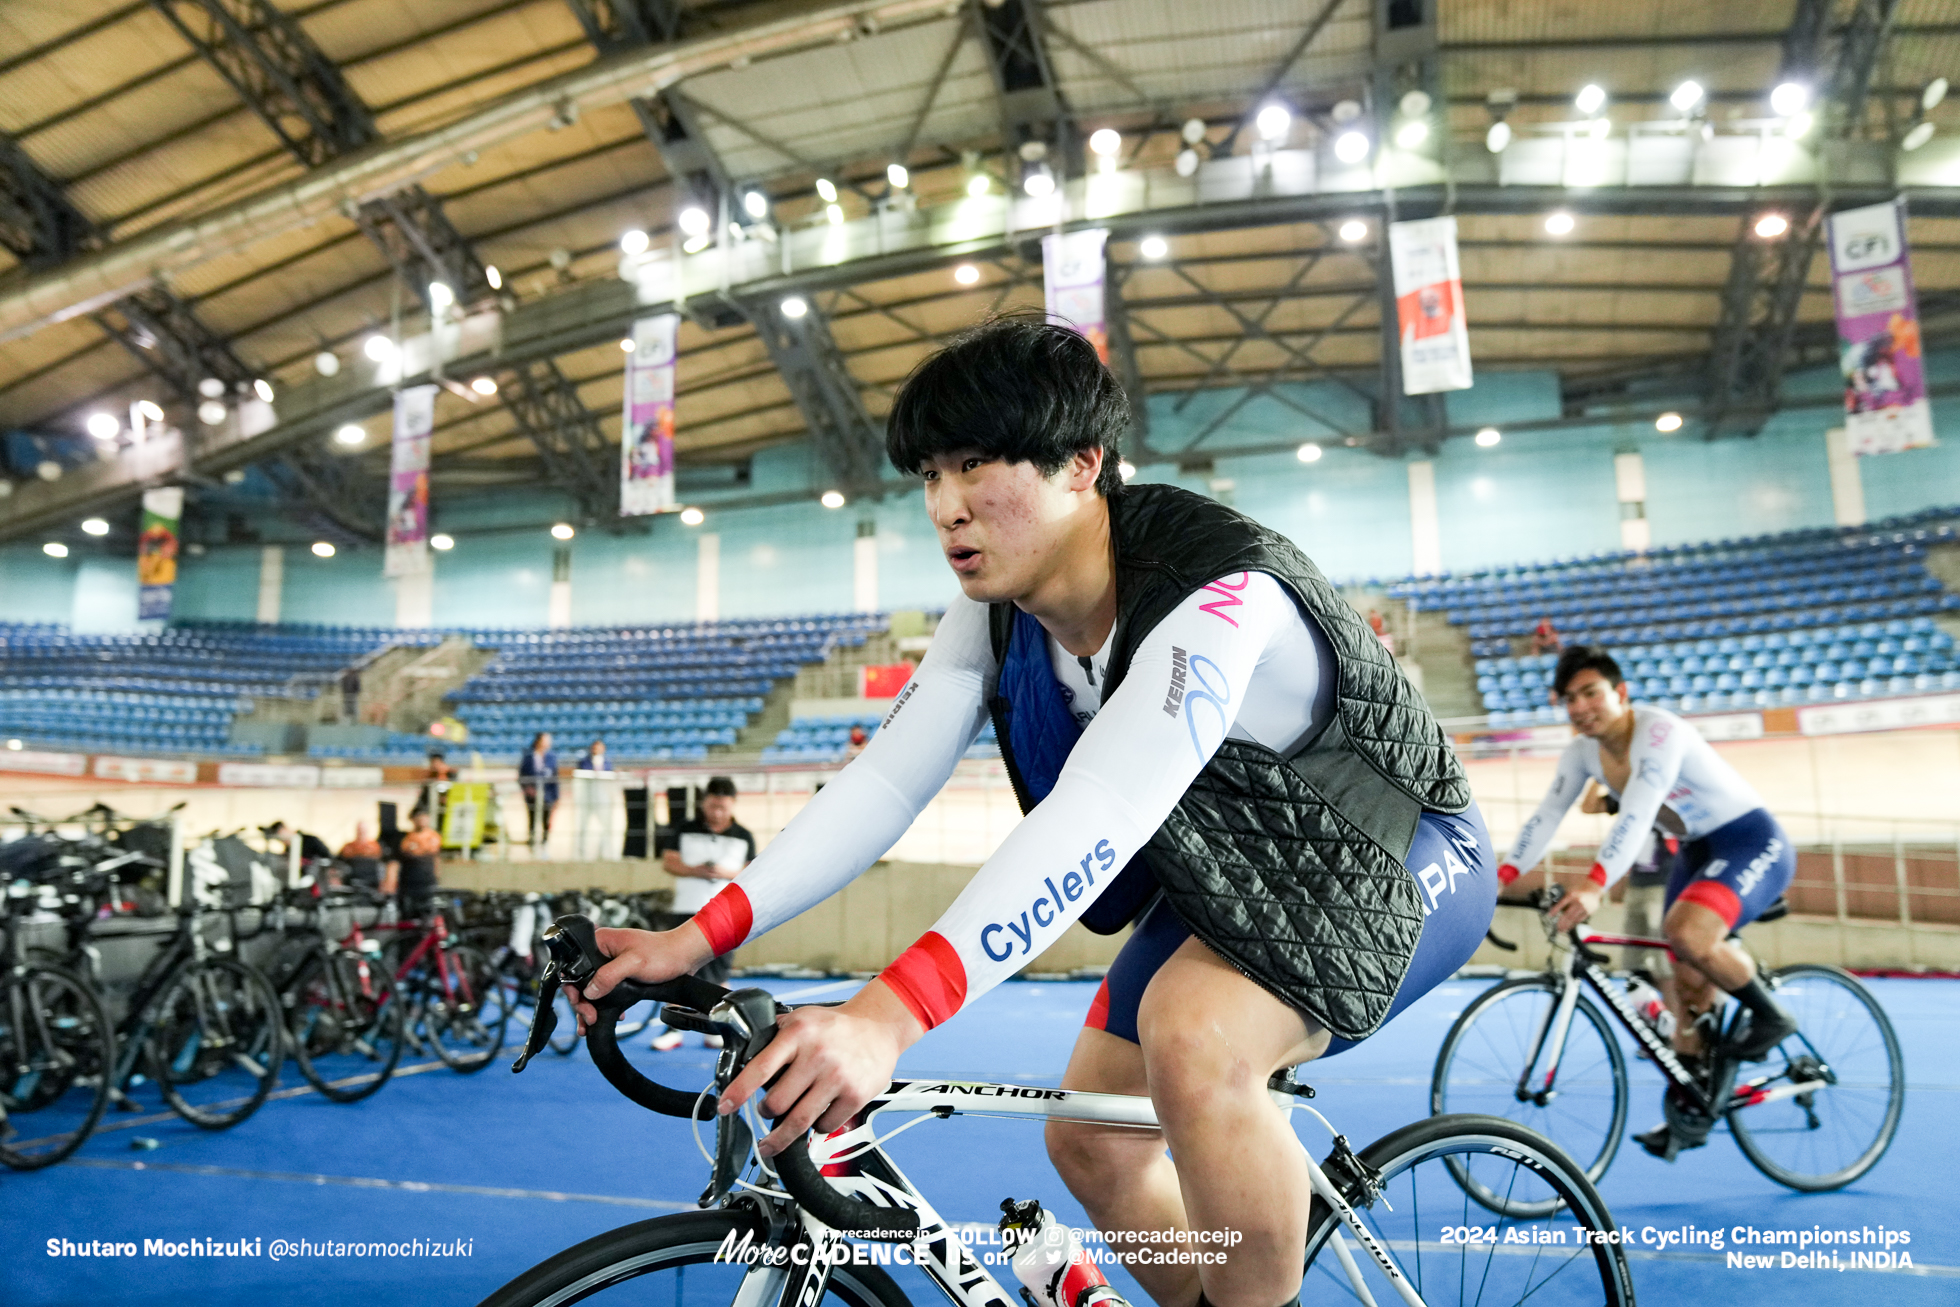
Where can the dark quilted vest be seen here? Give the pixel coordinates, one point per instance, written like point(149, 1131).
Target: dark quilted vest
point(1289, 868)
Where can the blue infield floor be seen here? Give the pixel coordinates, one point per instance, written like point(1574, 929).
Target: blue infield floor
point(518, 1167)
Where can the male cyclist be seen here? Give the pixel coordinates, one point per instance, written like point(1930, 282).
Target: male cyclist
point(1735, 860)
point(1207, 741)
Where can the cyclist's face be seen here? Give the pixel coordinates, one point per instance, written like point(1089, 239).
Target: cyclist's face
point(1593, 702)
point(1003, 526)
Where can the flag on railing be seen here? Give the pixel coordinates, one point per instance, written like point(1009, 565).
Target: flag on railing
point(646, 445)
point(408, 483)
point(1885, 406)
point(156, 551)
point(1072, 275)
point(1435, 335)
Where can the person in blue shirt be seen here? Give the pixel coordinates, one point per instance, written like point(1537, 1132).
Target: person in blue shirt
point(594, 758)
point(537, 776)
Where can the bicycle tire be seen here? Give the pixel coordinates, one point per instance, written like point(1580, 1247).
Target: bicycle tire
point(1544, 1273)
point(623, 1256)
point(243, 1031)
point(68, 1033)
point(1823, 998)
point(1491, 1039)
point(466, 1025)
point(345, 1024)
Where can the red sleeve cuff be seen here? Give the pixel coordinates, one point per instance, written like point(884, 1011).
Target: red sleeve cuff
point(1598, 875)
point(726, 919)
point(929, 979)
point(1506, 873)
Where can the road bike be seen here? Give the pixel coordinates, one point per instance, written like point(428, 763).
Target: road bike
point(455, 1007)
point(1540, 1049)
point(345, 1021)
point(56, 1048)
point(827, 1214)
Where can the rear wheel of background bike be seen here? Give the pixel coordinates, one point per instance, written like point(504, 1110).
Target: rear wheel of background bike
point(1434, 1231)
point(564, 1036)
point(1827, 1138)
point(1486, 1054)
point(56, 1051)
point(216, 1042)
point(670, 1261)
point(346, 1024)
point(467, 1017)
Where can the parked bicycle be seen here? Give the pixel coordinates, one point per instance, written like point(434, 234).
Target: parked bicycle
point(345, 1021)
point(454, 1005)
point(1540, 1050)
point(784, 1218)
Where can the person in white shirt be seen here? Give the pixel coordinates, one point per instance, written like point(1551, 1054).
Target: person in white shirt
point(706, 853)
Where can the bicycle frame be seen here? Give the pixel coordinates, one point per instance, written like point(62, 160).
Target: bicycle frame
point(436, 938)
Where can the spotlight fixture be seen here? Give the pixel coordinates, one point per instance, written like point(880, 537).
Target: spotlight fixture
point(834, 214)
point(1590, 100)
point(323, 549)
point(484, 385)
point(1039, 182)
point(1488, 436)
point(48, 470)
point(1274, 122)
point(326, 363)
point(1106, 142)
point(103, 426)
point(379, 349)
point(1498, 138)
point(634, 242)
point(211, 412)
point(1686, 96)
point(1412, 133)
point(1789, 98)
point(1917, 137)
point(826, 190)
point(263, 389)
point(150, 409)
point(1559, 223)
point(440, 296)
point(755, 204)
point(694, 221)
point(1799, 125)
point(1772, 225)
point(695, 244)
point(1668, 422)
point(626, 344)
point(95, 526)
point(1600, 129)
point(1153, 247)
point(1935, 92)
point(693, 516)
point(1193, 131)
point(494, 277)
point(1186, 162)
point(350, 435)
point(1351, 146)
point(966, 274)
point(795, 306)
point(1308, 453)
point(211, 388)
point(1354, 230)
point(978, 184)
point(55, 549)
point(898, 176)
point(562, 531)
point(833, 499)
point(1126, 469)
point(442, 542)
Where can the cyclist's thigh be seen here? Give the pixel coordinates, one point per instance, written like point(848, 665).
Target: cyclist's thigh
point(1159, 932)
point(1737, 870)
point(1200, 1012)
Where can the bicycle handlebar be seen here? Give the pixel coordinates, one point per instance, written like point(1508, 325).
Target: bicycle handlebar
point(748, 1019)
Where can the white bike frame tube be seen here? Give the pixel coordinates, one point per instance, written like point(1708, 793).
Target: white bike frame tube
point(1560, 1017)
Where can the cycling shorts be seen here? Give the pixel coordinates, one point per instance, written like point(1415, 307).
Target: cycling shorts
point(1455, 871)
point(1735, 870)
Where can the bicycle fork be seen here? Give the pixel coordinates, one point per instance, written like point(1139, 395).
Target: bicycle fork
point(1548, 1045)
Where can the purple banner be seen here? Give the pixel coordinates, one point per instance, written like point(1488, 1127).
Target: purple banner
point(1072, 277)
point(1885, 407)
point(408, 483)
point(646, 437)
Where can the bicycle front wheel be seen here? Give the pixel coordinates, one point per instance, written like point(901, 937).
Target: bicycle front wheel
point(670, 1261)
point(345, 1021)
point(468, 1010)
point(1827, 1137)
point(1494, 1062)
point(1422, 1217)
point(216, 1042)
point(56, 1054)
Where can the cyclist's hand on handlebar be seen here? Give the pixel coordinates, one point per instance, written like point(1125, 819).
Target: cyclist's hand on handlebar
point(648, 955)
point(1576, 906)
point(826, 1064)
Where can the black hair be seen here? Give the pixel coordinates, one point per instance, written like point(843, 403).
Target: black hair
point(1016, 387)
point(720, 785)
point(1585, 657)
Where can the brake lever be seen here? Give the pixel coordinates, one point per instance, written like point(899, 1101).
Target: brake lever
point(544, 1021)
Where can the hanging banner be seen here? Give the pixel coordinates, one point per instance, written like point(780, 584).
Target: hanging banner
point(646, 446)
point(156, 551)
point(1429, 306)
point(1072, 272)
point(408, 483)
point(1885, 406)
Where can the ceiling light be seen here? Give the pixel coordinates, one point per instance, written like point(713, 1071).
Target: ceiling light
point(1668, 422)
point(440, 296)
point(1126, 469)
point(152, 410)
point(626, 344)
point(1789, 98)
point(1274, 122)
point(562, 531)
point(1354, 230)
point(1193, 131)
point(1929, 99)
point(634, 242)
point(494, 277)
point(350, 435)
point(48, 470)
point(1412, 133)
point(835, 213)
point(378, 348)
point(833, 499)
point(1497, 138)
point(1558, 224)
point(211, 412)
point(1488, 436)
point(979, 184)
point(1415, 103)
point(1772, 225)
point(1308, 453)
point(443, 542)
point(755, 204)
point(234, 476)
point(326, 363)
point(55, 549)
point(695, 244)
point(323, 549)
point(966, 274)
point(15, 744)
point(484, 385)
point(896, 174)
point(1153, 247)
point(1799, 125)
point(211, 388)
point(1351, 147)
point(95, 526)
point(103, 426)
point(1601, 128)
point(1040, 182)
point(1917, 137)
point(693, 516)
point(1590, 100)
point(826, 190)
point(1186, 162)
point(795, 306)
point(694, 221)
point(1686, 96)
point(1105, 141)
point(263, 389)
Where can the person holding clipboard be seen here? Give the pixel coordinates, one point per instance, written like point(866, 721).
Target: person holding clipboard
point(705, 851)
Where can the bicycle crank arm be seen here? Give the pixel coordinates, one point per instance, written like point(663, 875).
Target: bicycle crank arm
point(1757, 1097)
